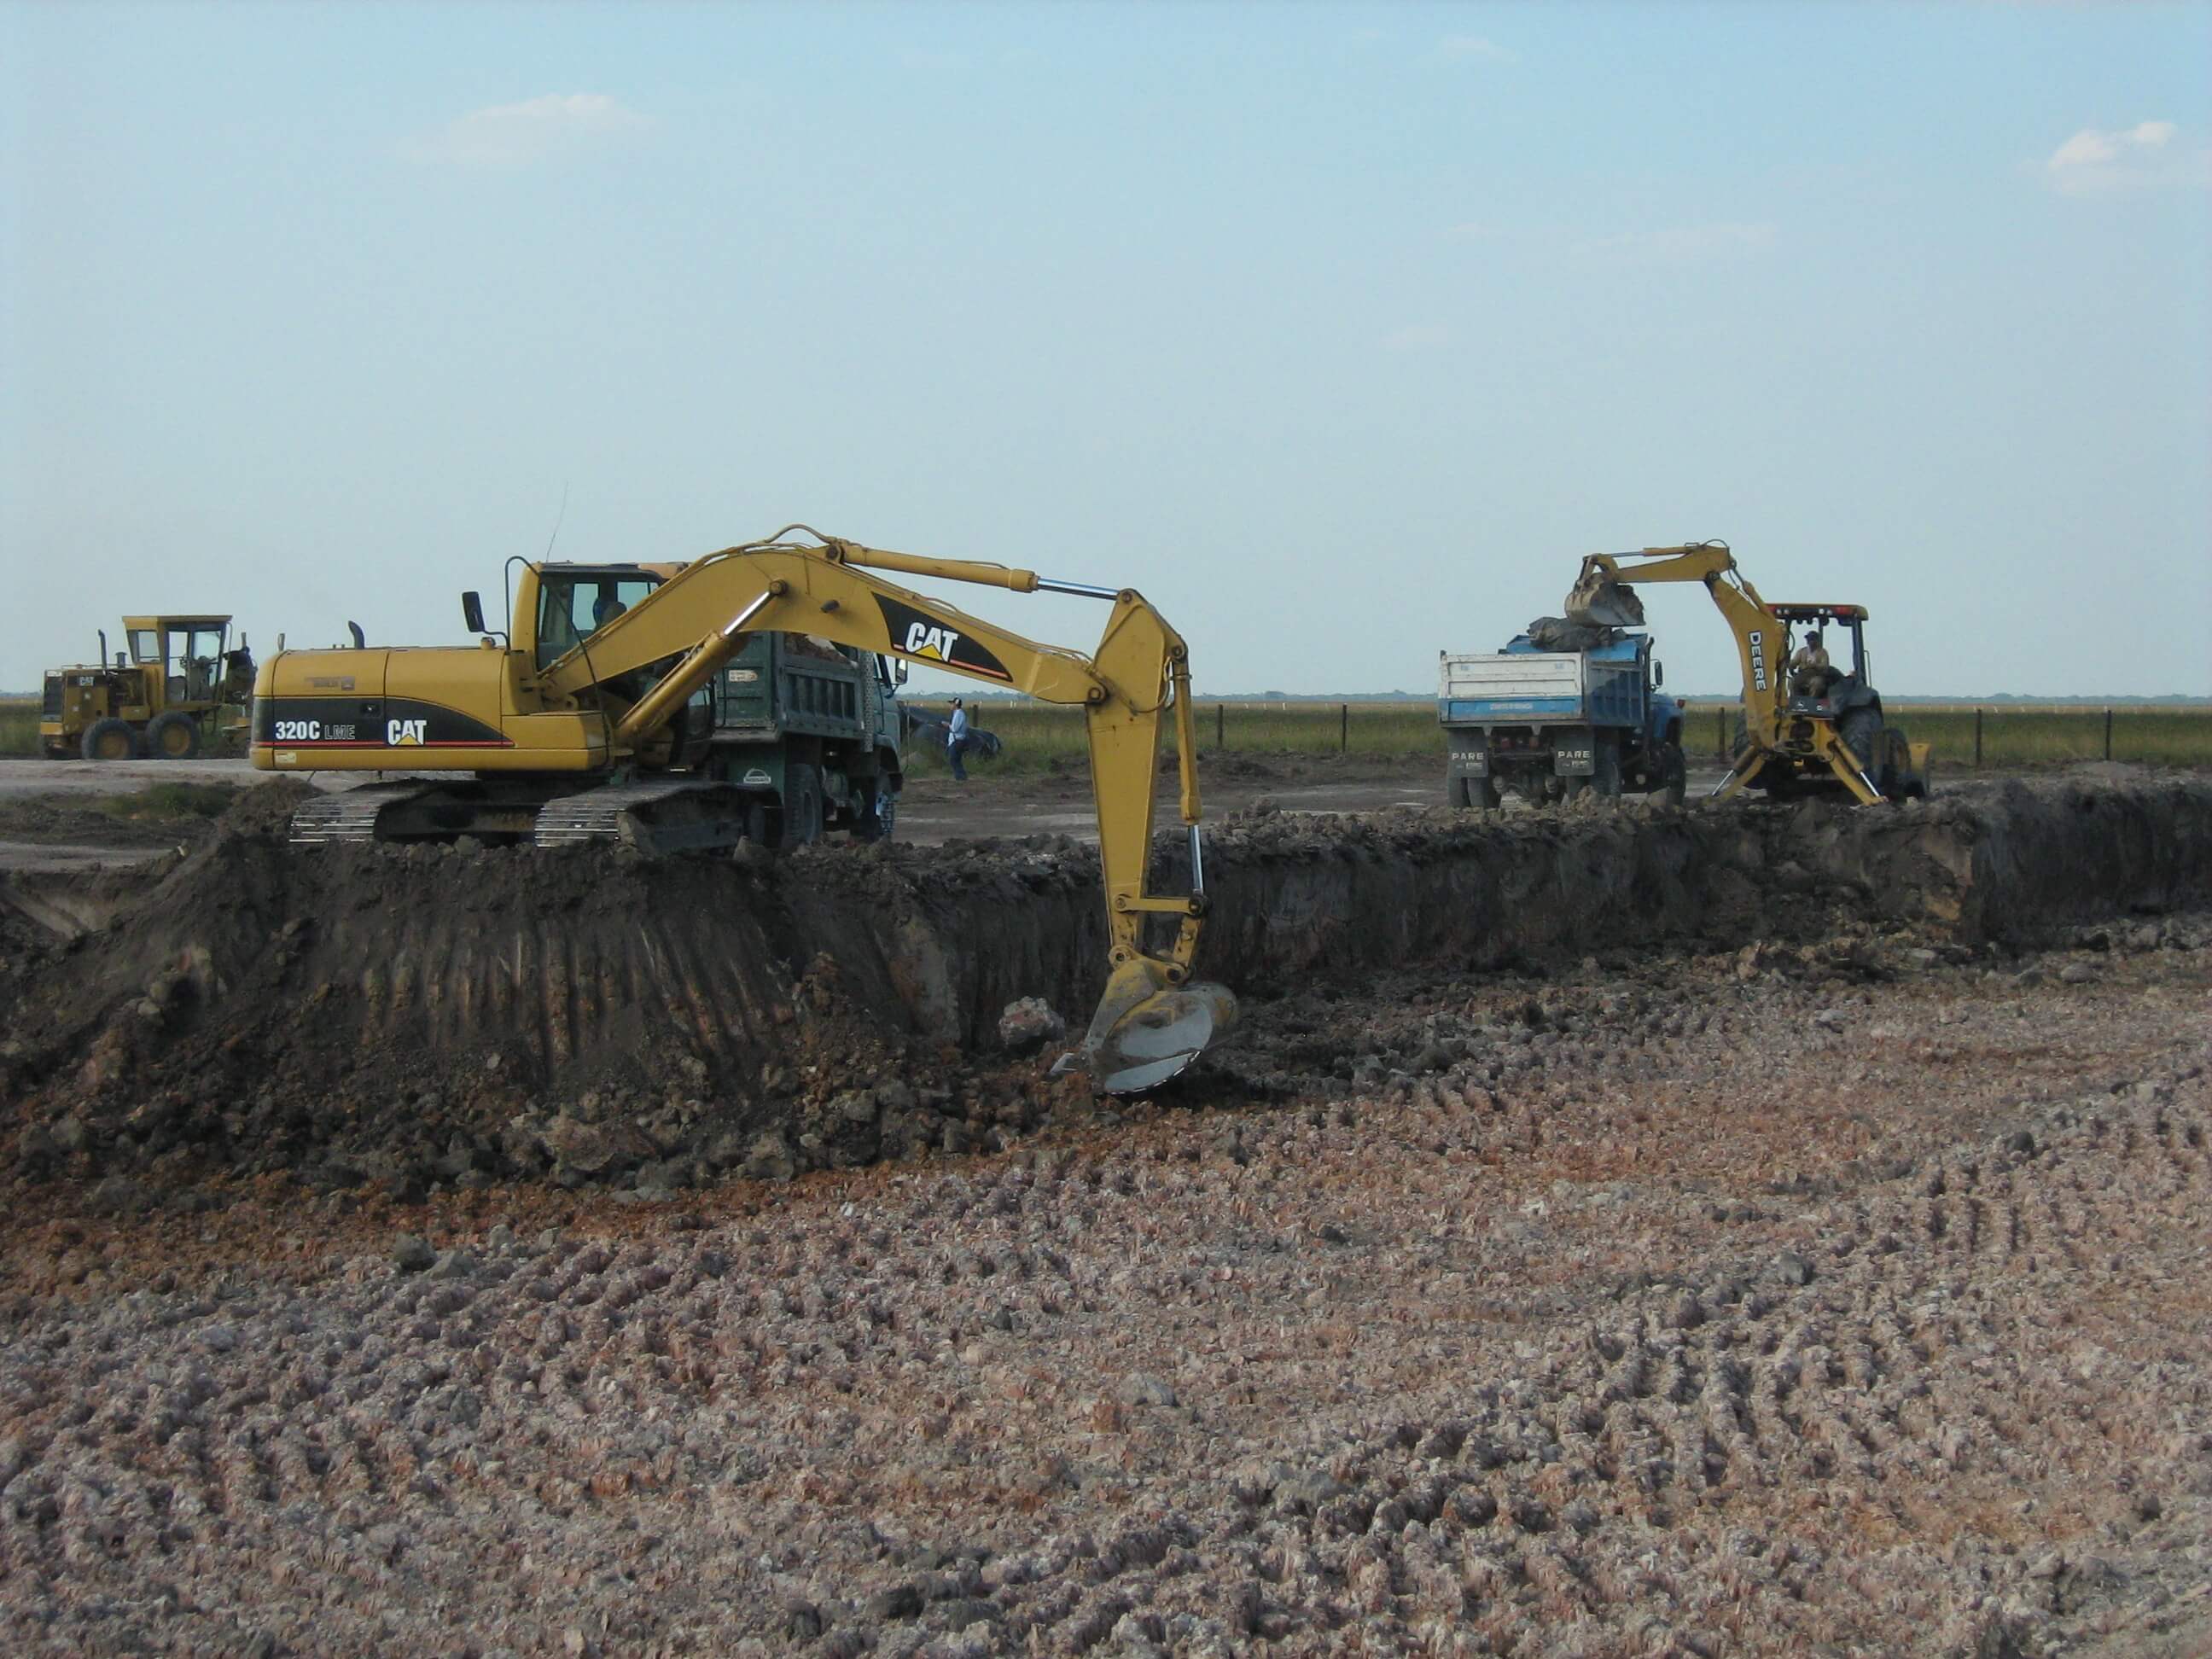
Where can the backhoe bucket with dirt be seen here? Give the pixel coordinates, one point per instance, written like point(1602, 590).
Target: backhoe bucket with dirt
point(1600, 599)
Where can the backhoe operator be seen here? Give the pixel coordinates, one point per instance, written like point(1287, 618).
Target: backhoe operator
point(1809, 672)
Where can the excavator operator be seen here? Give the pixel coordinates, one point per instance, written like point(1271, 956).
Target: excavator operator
point(607, 607)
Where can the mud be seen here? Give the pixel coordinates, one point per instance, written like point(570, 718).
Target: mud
point(428, 1016)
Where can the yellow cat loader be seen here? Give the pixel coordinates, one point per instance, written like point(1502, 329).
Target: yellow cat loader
point(588, 720)
point(1823, 728)
point(174, 694)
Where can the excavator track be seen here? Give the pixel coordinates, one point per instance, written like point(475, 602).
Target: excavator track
point(349, 816)
point(706, 815)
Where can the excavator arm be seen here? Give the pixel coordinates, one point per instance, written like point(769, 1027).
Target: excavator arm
point(1153, 1019)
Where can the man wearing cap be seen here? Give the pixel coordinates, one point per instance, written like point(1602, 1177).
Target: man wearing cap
point(955, 740)
point(1809, 672)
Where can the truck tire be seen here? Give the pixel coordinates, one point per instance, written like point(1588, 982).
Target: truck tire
point(874, 819)
point(111, 739)
point(174, 736)
point(1673, 775)
point(802, 805)
point(1605, 763)
point(1470, 794)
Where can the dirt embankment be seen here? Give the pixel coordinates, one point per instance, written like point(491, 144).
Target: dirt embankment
point(429, 1015)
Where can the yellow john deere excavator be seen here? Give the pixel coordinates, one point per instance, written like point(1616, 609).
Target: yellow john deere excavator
point(560, 733)
point(1826, 727)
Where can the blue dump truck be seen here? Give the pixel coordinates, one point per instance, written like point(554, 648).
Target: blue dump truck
point(1561, 709)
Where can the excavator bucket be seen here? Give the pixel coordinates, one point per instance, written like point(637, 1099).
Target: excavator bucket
point(1601, 599)
point(1146, 1030)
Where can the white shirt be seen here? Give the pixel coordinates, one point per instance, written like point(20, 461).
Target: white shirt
point(958, 729)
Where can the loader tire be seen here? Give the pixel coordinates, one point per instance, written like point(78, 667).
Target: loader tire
point(1862, 730)
point(174, 736)
point(111, 739)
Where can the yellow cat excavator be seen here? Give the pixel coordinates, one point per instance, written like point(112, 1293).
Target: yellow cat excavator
point(1798, 727)
point(591, 725)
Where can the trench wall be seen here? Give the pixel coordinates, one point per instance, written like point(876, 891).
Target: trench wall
point(262, 999)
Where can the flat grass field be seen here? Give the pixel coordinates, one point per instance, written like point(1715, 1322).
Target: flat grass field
point(1037, 735)
point(19, 725)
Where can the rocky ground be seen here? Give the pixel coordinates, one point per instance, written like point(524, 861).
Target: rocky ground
point(1837, 1296)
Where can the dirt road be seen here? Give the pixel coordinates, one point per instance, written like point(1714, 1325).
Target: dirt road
point(46, 820)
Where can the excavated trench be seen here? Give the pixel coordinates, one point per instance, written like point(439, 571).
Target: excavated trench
point(428, 1014)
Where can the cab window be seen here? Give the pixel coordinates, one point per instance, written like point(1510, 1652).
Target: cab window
point(145, 645)
point(572, 608)
point(202, 664)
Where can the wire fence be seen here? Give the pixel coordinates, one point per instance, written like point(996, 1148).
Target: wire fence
point(1967, 735)
point(1976, 736)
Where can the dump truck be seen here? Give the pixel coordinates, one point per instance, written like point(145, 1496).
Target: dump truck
point(173, 695)
point(606, 713)
point(809, 730)
point(1560, 710)
point(1804, 727)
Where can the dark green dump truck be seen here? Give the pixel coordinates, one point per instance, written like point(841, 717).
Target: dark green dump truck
point(810, 732)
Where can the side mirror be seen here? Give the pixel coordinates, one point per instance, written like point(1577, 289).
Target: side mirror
point(472, 611)
point(1658, 673)
point(899, 668)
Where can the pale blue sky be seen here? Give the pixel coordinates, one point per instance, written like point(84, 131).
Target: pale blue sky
point(1341, 332)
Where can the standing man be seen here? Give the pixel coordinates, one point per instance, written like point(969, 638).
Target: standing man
point(955, 740)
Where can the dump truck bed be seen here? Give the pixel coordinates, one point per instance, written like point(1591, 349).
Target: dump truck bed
point(1526, 686)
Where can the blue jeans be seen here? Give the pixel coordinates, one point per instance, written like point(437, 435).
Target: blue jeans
point(953, 751)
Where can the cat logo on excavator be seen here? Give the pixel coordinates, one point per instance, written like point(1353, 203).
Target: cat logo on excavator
point(923, 641)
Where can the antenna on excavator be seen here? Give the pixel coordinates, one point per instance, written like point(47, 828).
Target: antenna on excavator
point(557, 518)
